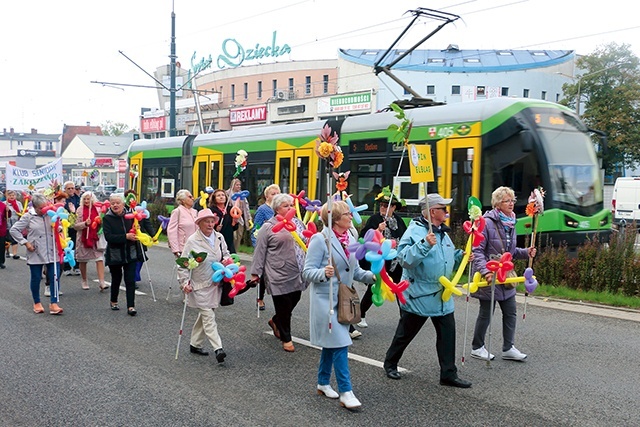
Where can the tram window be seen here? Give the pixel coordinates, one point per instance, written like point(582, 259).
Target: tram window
point(302, 174)
point(285, 173)
point(505, 164)
point(202, 175)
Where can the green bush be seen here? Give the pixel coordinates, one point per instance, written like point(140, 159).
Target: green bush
point(159, 207)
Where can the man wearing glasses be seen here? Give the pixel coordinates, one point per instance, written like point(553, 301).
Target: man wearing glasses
point(425, 256)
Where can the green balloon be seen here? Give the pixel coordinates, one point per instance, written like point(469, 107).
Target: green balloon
point(473, 201)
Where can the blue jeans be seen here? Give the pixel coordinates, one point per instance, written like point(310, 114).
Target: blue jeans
point(36, 278)
point(336, 357)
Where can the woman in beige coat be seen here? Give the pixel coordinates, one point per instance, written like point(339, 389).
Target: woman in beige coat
point(201, 292)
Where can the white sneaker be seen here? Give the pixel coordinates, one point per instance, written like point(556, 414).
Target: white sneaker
point(75, 272)
point(327, 391)
point(481, 353)
point(66, 273)
point(47, 291)
point(355, 334)
point(513, 354)
point(363, 323)
point(349, 401)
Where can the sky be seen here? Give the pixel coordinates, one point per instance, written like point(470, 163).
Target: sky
point(51, 51)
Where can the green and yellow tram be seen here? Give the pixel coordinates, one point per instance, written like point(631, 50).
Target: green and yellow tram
point(476, 147)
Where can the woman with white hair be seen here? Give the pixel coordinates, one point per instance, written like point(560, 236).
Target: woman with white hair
point(40, 251)
point(182, 223)
point(87, 225)
point(280, 260)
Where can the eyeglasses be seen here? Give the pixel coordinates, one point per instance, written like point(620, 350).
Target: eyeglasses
point(508, 202)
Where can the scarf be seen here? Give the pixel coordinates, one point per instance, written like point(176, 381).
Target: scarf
point(344, 241)
point(14, 205)
point(90, 238)
point(507, 221)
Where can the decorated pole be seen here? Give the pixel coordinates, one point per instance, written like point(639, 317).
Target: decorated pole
point(403, 131)
point(328, 149)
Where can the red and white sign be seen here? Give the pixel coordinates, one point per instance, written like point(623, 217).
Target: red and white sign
point(122, 165)
point(248, 115)
point(103, 162)
point(153, 124)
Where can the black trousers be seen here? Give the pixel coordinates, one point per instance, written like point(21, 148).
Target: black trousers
point(284, 305)
point(129, 273)
point(3, 251)
point(409, 326)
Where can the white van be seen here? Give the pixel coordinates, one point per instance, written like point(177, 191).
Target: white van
point(626, 201)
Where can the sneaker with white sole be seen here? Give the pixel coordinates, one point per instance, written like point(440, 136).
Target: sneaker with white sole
point(362, 323)
point(481, 353)
point(66, 273)
point(75, 272)
point(47, 291)
point(355, 334)
point(513, 354)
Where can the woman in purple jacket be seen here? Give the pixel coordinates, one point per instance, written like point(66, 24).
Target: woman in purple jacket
point(499, 237)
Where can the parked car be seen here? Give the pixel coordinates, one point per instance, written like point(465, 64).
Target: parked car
point(625, 201)
point(103, 191)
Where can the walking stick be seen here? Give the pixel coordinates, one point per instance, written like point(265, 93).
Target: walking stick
point(174, 271)
point(493, 296)
point(184, 312)
point(466, 314)
point(329, 202)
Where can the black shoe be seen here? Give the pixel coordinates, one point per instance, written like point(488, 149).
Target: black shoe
point(3, 266)
point(455, 382)
point(131, 311)
point(393, 374)
point(137, 286)
point(220, 355)
point(196, 350)
point(16, 257)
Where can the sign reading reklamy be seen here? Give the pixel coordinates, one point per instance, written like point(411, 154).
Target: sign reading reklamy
point(420, 163)
point(31, 179)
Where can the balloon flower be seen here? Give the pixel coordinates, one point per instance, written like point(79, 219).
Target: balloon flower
point(299, 200)
point(69, 253)
point(313, 208)
point(286, 222)
point(355, 211)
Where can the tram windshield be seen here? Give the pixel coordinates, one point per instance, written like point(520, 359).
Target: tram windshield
point(573, 166)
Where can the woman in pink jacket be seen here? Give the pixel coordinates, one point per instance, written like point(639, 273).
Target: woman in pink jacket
point(182, 223)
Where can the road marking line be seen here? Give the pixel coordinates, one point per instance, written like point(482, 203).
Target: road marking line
point(122, 288)
point(352, 356)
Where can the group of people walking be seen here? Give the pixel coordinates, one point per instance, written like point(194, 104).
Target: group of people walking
point(283, 268)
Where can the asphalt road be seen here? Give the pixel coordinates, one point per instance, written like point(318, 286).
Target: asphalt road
point(95, 367)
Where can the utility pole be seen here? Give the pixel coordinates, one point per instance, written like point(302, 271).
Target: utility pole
point(172, 89)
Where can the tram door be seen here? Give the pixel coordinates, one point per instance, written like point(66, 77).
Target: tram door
point(295, 171)
point(135, 173)
point(207, 171)
point(461, 176)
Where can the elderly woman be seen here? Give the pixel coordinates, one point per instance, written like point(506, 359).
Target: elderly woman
point(201, 292)
point(40, 251)
point(123, 252)
point(263, 213)
point(280, 259)
point(182, 222)
point(499, 237)
point(86, 248)
point(325, 275)
point(226, 223)
point(14, 208)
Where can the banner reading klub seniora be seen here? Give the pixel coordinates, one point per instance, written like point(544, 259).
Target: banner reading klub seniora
point(420, 163)
point(31, 179)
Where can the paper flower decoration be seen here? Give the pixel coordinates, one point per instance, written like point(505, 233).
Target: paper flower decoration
point(341, 180)
point(536, 202)
point(240, 162)
point(327, 147)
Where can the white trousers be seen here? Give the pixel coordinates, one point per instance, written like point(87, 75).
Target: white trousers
point(206, 327)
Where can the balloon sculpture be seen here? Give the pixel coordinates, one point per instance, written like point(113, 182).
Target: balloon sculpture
point(287, 223)
point(376, 249)
point(230, 271)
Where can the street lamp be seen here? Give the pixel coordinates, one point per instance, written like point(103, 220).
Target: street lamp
point(580, 77)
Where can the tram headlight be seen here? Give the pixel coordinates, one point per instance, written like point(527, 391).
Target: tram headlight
point(570, 222)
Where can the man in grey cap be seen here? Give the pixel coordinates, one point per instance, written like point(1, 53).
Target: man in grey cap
point(196, 203)
point(426, 252)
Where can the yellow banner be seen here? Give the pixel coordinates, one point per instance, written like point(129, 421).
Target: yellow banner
point(420, 163)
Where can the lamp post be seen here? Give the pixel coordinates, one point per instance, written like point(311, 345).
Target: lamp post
point(580, 77)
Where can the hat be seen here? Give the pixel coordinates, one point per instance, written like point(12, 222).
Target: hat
point(386, 196)
point(208, 190)
point(434, 200)
point(205, 213)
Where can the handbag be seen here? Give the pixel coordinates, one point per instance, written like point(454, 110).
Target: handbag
point(101, 244)
point(348, 302)
point(225, 299)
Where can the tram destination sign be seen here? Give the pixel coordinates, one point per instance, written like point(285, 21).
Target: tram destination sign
point(368, 146)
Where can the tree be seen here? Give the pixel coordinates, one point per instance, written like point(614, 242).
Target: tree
point(609, 100)
point(113, 129)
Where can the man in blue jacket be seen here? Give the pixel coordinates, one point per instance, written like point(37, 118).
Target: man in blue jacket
point(425, 256)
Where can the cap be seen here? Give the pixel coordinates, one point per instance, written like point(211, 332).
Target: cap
point(435, 200)
point(386, 196)
point(203, 214)
point(208, 190)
